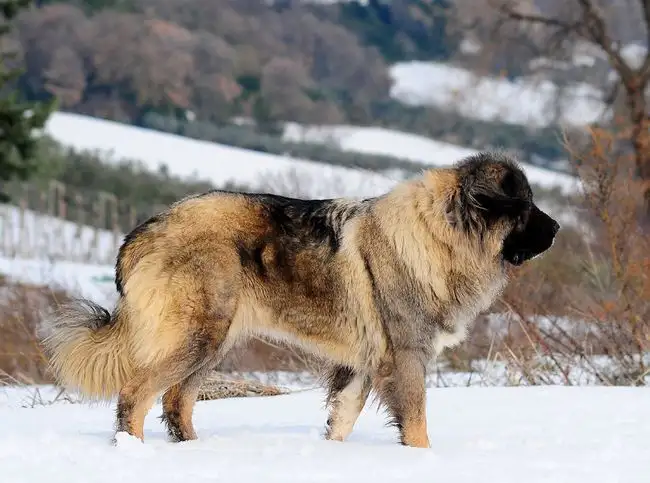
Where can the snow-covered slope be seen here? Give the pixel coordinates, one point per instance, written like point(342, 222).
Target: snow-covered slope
point(377, 140)
point(217, 163)
point(29, 235)
point(25, 233)
point(525, 102)
point(537, 434)
point(90, 280)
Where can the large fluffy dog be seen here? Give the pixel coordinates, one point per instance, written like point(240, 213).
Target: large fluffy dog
point(377, 287)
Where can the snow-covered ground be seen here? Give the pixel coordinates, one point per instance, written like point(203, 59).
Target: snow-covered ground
point(537, 434)
point(79, 279)
point(30, 236)
point(219, 163)
point(388, 142)
point(27, 234)
point(527, 102)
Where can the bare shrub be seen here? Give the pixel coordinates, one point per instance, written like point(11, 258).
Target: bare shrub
point(21, 309)
point(581, 314)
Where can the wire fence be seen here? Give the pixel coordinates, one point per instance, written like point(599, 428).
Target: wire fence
point(56, 222)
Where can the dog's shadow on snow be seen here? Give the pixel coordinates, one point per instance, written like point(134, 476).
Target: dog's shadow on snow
point(251, 430)
point(286, 432)
point(243, 433)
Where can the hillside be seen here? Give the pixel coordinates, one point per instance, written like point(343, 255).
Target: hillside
point(164, 63)
point(27, 236)
point(222, 164)
point(216, 163)
point(527, 102)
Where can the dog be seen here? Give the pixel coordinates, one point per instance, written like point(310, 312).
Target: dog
point(375, 287)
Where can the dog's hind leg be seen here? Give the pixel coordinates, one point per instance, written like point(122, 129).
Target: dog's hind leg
point(179, 400)
point(138, 394)
point(347, 394)
point(178, 404)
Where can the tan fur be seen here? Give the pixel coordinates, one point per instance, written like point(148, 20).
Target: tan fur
point(410, 214)
point(96, 363)
point(214, 269)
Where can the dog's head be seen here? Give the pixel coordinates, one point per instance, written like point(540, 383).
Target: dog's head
point(493, 200)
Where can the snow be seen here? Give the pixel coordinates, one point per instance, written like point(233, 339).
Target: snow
point(88, 280)
point(214, 162)
point(523, 102)
point(536, 434)
point(634, 55)
point(388, 142)
point(219, 163)
point(27, 234)
point(27, 238)
point(48, 251)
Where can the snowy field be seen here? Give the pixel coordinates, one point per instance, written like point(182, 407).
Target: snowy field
point(219, 164)
point(27, 238)
point(27, 234)
point(388, 142)
point(79, 279)
point(523, 102)
point(540, 434)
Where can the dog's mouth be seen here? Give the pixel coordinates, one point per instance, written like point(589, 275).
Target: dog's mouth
point(519, 257)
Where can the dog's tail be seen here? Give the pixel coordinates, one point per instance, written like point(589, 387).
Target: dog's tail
point(89, 349)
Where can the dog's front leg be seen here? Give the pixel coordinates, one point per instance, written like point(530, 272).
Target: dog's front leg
point(401, 386)
point(347, 394)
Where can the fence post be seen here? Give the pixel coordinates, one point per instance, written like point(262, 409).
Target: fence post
point(103, 199)
point(56, 192)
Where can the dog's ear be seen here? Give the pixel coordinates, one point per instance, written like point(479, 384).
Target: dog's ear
point(462, 211)
point(476, 204)
point(454, 209)
point(498, 200)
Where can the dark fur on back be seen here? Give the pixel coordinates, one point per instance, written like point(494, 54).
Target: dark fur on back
point(296, 228)
point(129, 240)
point(312, 222)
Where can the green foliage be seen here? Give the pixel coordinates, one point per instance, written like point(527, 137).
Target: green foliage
point(18, 118)
point(250, 84)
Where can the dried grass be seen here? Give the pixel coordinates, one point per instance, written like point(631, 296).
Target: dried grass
point(220, 386)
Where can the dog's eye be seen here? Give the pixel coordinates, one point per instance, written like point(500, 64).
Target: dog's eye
point(509, 184)
point(522, 221)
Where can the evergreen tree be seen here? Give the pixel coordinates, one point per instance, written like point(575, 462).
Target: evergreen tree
point(18, 118)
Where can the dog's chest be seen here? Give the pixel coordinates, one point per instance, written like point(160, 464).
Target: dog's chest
point(462, 315)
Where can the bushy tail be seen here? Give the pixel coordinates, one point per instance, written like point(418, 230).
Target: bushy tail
point(89, 349)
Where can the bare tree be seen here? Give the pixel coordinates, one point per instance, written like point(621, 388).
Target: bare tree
point(152, 58)
point(213, 85)
point(65, 77)
point(609, 28)
point(284, 84)
point(55, 42)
